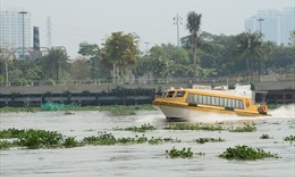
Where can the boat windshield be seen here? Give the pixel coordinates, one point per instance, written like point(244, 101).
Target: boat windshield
point(180, 93)
point(170, 93)
point(164, 94)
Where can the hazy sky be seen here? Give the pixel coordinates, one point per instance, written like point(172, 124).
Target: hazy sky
point(75, 21)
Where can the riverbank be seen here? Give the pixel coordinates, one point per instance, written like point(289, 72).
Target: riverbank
point(115, 108)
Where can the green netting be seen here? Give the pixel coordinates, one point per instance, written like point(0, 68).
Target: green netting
point(55, 106)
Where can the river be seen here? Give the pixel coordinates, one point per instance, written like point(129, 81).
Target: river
point(144, 159)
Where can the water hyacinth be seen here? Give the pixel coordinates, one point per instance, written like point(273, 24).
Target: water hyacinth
point(205, 140)
point(245, 128)
point(183, 153)
point(264, 136)
point(183, 126)
point(246, 153)
point(290, 138)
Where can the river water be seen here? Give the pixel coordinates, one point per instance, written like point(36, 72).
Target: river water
point(145, 159)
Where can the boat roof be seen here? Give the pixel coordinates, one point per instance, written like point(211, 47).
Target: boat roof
point(242, 91)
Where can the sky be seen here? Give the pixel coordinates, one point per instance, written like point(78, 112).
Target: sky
point(92, 21)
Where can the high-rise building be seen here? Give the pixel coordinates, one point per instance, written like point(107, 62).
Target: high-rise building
point(14, 28)
point(275, 25)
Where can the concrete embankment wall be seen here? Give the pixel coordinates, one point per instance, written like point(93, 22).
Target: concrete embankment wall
point(279, 92)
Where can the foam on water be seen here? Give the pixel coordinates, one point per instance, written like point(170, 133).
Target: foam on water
point(281, 112)
point(284, 111)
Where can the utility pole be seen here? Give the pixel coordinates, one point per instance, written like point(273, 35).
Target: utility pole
point(177, 20)
point(260, 23)
point(23, 13)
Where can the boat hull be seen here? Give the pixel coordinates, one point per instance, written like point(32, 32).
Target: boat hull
point(185, 112)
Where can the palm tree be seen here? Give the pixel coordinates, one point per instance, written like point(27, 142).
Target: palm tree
point(249, 47)
point(56, 62)
point(193, 25)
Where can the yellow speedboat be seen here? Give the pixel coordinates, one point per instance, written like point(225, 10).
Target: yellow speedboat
point(199, 100)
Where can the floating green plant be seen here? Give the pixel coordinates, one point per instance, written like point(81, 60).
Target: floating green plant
point(183, 126)
point(201, 153)
point(71, 142)
point(34, 139)
point(5, 144)
point(142, 128)
point(68, 113)
point(246, 153)
point(290, 138)
point(264, 136)
point(103, 139)
point(205, 140)
point(245, 128)
point(183, 153)
point(11, 133)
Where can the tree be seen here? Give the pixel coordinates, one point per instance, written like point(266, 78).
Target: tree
point(120, 52)
point(292, 38)
point(193, 25)
point(249, 47)
point(55, 63)
point(92, 52)
point(80, 69)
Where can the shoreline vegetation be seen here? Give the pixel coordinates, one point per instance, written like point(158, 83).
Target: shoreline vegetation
point(115, 109)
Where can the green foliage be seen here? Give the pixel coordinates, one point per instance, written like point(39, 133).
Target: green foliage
point(264, 136)
point(245, 128)
point(246, 153)
point(290, 138)
point(205, 140)
point(142, 128)
point(119, 53)
point(4, 145)
point(183, 153)
point(11, 133)
point(103, 139)
point(71, 142)
point(19, 82)
point(56, 63)
point(49, 82)
point(34, 139)
point(182, 126)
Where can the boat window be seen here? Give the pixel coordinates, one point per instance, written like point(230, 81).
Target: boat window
point(233, 102)
point(221, 102)
point(225, 102)
point(229, 103)
point(200, 99)
point(164, 94)
point(215, 101)
point(180, 93)
point(239, 104)
point(209, 100)
point(170, 94)
point(204, 99)
point(195, 98)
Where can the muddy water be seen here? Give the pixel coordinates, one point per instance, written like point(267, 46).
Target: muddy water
point(144, 159)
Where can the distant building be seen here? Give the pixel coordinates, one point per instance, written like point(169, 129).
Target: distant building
point(11, 30)
point(275, 25)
